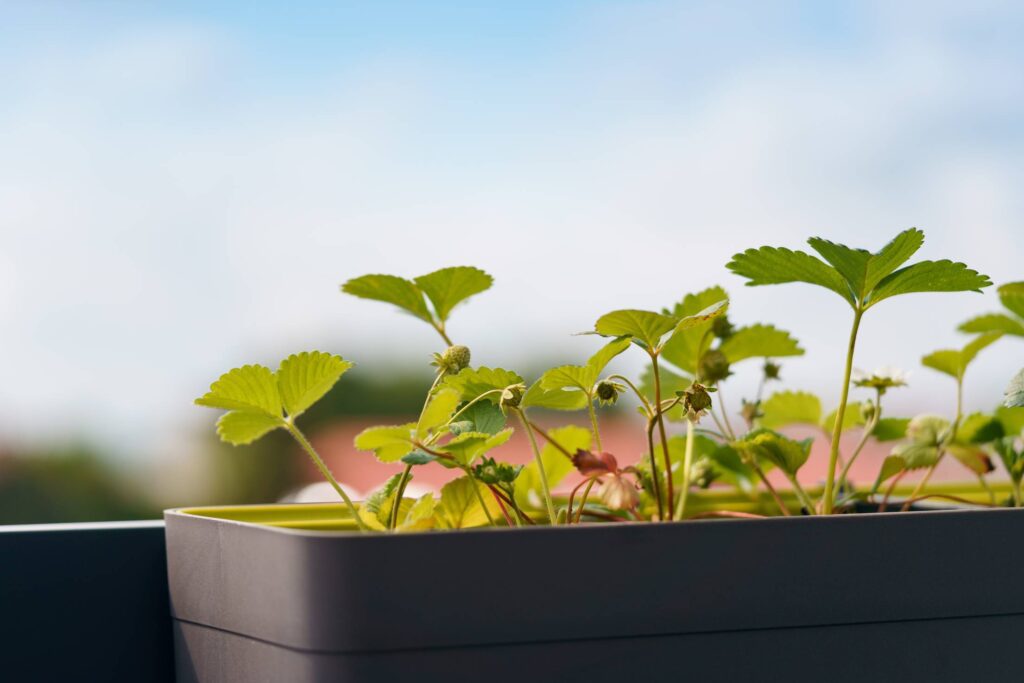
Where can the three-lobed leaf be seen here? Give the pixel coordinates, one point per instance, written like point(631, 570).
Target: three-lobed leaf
point(785, 453)
point(954, 362)
point(460, 504)
point(257, 398)
point(863, 279)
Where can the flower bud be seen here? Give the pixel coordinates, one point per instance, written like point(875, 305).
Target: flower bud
point(722, 327)
point(511, 396)
point(771, 370)
point(608, 392)
point(696, 401)
point(702, 473)
point(714, 366)
point(751, 410)
point(867, 412)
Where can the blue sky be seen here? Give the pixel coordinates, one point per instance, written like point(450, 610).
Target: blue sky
point(184, 185)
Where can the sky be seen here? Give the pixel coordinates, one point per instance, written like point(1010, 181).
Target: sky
point(183, 186)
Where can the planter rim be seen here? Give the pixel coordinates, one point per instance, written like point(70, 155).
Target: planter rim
point(205, 513)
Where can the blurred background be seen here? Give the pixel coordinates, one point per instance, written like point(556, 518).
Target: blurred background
point(183, 186)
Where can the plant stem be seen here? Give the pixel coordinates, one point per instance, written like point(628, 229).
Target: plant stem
point(399, 493)
point(988, 489)
point(593, 422)
point(444, 335)
point(315, 457)
point(725, 413)
point(583, 499)
point(771, 490)
point(684, 490)
point(670, 500)
point(888, 492)
point(655, 480)
point(868, 429)
point(548, 502)
point(639, 395)
point(504, 510)
point(480, 498)
point(837, 429)
point(1015, 488)
point(801, 494)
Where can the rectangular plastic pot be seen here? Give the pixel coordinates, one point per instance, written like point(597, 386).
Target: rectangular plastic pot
point(919, 596)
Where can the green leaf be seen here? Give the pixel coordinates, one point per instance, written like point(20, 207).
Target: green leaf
point(304, 378)
point(239, 427)
point(954, 362)
point(558, 399)
point(685, 347)
point(929, 276)
point(993, 322)
point(449, 286)
point(891, 466)
point(853, 417)
point(1015, 392)
point(892, 256)
point(388, 443)
point(528, 488)
point(390, 289)
point(1012, 296)
point(785, 453)
point(852, 264)
point(863, 270)
point(438, 411)
point(786, 408)
point(473, 382)
point(1012, 418)
point(891, 429)
point(468, 446)
point(420, 514)
point(732, 468)
point(250, 388)
point(485, 417)
point(460, 505)
point(979, 428)
point(645, 326)
point(973, 458)
point(704, 316)
point(376, 509)
point(917, 456)
point(568, 377)
point(778, 265)
point(599, 361)
point(759, 341)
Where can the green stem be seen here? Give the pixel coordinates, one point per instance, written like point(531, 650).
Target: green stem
point(725, 412)
point(315, 457)
point(593, 422)
point(1015, 488)
point(639, 395)
point(583, 499)
point(480, 498)
point(399, 493)
point(444, 335)
point(548, 502)
point(837, 429)
point(801, 494)
point(868, 429)
point(670, 499)
point(988, 489)
point(687, 465)
point(771, 489)
point(655, 479)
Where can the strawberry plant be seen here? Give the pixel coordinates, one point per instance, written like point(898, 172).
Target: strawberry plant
point(692, 441)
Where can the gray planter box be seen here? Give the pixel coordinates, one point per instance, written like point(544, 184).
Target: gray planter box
point(920, 596)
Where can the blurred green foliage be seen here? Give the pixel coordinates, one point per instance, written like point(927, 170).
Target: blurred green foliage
point(73, 484)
